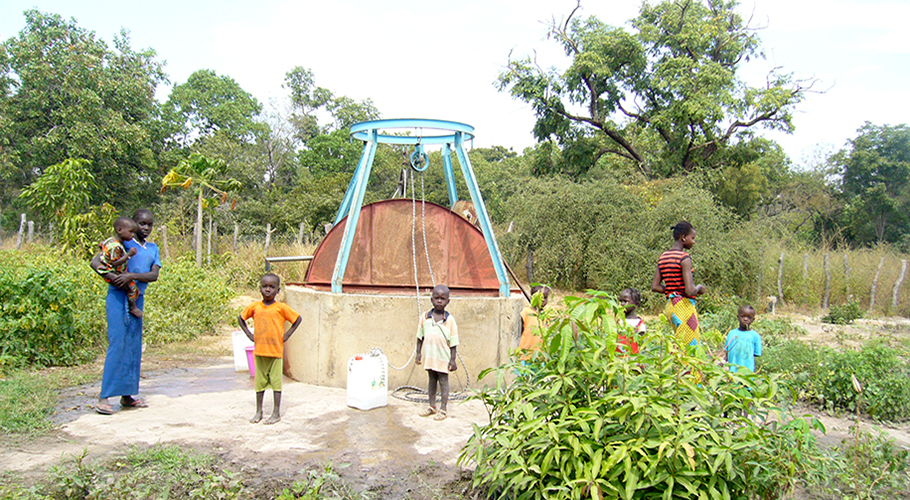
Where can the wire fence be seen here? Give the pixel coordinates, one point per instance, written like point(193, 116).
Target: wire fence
point(807, 278)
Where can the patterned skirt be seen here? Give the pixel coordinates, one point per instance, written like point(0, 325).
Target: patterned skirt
point(680, 311)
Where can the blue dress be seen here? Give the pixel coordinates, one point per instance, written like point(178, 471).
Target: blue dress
point(124, 331)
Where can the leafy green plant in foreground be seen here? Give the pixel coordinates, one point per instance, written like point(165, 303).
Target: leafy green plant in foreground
point(583, 421)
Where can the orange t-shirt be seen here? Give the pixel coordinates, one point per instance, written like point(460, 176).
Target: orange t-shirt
point(531, 333)
point(268, 327)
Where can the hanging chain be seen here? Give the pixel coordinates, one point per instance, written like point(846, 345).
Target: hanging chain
point(423, 209)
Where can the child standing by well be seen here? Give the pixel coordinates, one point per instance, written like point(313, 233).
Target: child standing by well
point(743, 343)
point(439, 333)
point(269, 316)
point(530, 324)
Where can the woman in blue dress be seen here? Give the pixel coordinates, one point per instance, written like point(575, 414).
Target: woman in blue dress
point(124, 331)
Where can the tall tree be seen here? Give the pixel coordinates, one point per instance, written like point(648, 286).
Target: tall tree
point(207, 103)
point(65, 94)
point(875, 181)
point(673, 76)
point(307, 98)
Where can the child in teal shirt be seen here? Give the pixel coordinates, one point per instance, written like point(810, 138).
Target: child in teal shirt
point(743, 343)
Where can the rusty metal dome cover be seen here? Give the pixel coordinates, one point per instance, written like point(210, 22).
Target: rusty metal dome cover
point(382, 258)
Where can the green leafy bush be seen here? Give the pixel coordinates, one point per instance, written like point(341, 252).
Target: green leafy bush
point(843, 314)
point(582, 421)
point(823, 375)
point(185, 302)
point(885, 377)
point(51, 308)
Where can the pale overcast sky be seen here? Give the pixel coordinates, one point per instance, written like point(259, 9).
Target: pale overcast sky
point(431, 59)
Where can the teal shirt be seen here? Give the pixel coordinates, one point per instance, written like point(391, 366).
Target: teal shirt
point(742, 347)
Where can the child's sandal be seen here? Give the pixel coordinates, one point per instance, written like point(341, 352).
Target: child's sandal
point(429, 410)
point(440, 415)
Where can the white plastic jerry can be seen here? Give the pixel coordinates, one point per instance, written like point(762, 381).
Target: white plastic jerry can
point(368, 381)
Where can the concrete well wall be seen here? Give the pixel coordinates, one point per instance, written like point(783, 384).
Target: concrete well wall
point(336, 326)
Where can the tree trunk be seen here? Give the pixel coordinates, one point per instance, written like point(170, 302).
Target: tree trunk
point(31, 231)
point(300, 235)
point(878, 273)
point(198, 230)
point(236, 234)
point(780, 277)
point(805, 286)
point(22, 224)
point(529, 266)
point(208, 252)
point(167, 250)
point(827, 280)
point(897, 284)
point(268, 237)
point(215, 238)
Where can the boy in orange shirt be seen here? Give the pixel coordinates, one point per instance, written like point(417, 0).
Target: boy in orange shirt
point(530, 324)
point(268, 323)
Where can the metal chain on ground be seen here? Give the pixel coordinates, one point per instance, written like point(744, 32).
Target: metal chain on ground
point(418, 395)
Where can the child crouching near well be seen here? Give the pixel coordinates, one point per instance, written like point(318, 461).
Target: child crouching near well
point(269, 316)
point(438, 331)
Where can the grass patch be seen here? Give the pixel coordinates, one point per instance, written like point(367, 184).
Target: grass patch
point(28, 397)
point(171, 471)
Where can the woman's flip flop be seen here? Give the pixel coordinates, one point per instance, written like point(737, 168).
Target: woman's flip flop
point(133, 403)
point(104, 409)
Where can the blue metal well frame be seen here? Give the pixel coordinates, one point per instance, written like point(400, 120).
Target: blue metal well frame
point(452, 135)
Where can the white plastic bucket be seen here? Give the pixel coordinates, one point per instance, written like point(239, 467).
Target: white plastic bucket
point(240, 343)
point(368, 381)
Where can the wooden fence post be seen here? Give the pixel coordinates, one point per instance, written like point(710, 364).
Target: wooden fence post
point(878, 273)
point(827, 279)
point(847, 276)
point(22, 224)
point(236, 233)
point(167, 252)
point(897, 284)
point(268, 236)
point(780, 277)
point(300, 235)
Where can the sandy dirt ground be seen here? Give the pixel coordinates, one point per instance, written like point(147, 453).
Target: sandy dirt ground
point(206, 405)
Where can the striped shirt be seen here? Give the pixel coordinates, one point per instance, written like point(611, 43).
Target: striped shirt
point(670, 265)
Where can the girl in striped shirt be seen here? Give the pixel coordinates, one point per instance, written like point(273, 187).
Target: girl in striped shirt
point(673, 278)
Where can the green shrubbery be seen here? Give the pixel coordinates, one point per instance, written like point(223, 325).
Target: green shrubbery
point(583, 421)
point(185, 302)
point(823, 375)
point(843, 314)
point(608, 236)
point(51, 309)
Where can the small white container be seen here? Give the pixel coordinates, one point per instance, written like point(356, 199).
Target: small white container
point(368, 381)
point(240, 343)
